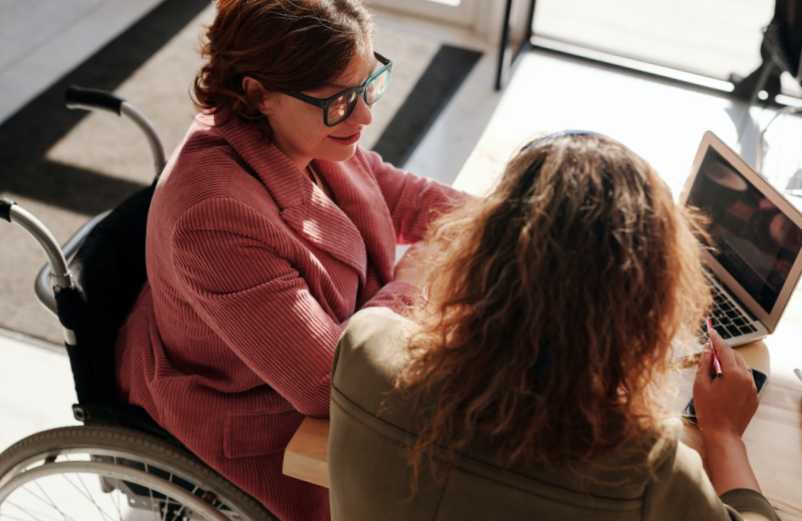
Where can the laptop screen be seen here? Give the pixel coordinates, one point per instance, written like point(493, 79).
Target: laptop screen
point(754, 241)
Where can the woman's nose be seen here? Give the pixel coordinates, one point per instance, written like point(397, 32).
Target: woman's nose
point(362, 112)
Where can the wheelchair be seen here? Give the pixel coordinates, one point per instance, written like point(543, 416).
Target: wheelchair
point(119, 464)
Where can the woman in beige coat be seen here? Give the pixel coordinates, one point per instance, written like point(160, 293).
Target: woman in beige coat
point(527, 386)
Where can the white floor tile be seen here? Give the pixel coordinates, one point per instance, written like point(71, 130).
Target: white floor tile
point(662, 122)
point(36, 390)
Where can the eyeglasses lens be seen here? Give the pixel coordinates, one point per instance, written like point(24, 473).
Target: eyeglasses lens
point(375, 90)
point(340, 108)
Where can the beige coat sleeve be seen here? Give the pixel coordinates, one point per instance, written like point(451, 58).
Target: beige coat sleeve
point(682, 490)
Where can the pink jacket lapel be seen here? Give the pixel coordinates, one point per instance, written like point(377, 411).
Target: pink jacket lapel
point(304, 206)
point(360, 197)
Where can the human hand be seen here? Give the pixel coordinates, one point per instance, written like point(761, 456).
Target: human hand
point(724, 404)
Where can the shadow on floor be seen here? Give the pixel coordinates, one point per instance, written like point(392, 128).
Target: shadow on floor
point(27, 135)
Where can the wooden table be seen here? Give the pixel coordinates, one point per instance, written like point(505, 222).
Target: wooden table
point(307, 456)
point(773, 438)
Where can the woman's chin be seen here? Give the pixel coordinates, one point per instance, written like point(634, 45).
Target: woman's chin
point(340, 152)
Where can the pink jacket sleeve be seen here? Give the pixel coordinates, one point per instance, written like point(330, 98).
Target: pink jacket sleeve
point(237, 278)
point(414, 202)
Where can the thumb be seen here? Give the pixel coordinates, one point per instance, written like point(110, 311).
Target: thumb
point(726, 354)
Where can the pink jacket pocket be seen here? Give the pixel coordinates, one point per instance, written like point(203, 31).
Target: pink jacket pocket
point(248, 435)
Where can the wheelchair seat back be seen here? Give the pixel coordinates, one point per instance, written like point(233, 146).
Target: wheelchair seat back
point(109, 273)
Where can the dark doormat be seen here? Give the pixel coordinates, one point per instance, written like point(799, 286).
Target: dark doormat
point(431, 94)
point(64, 194)
point(27, 135)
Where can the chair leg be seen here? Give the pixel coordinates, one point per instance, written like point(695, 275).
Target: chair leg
point(765, 77)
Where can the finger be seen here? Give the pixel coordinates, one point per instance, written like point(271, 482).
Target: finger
point(745, 368)
point(752, 379)
point(725, 353)
point(704, 370)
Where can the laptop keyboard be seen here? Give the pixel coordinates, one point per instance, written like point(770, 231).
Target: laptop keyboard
point(727, 319)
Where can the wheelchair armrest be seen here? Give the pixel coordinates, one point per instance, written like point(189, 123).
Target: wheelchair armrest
point(43, 286)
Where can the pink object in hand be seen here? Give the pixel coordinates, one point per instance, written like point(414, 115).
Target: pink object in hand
point(716, 362)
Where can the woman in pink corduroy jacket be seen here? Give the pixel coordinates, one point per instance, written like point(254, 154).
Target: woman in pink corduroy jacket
point(268, 229)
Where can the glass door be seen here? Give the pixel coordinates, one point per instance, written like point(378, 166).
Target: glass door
point(710, 37)
point(458, 12)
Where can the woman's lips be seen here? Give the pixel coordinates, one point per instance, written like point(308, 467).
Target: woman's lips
point(348, 140)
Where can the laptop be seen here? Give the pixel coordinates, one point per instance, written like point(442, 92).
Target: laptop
point(756, 258)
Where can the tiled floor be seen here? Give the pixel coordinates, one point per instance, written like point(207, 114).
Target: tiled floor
point(36, 389)
point(42, 40)
point(663, 122)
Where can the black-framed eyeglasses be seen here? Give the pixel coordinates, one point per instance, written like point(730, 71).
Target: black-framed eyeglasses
point(339, 107)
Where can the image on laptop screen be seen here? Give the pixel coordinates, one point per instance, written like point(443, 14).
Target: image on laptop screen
point(753, 240)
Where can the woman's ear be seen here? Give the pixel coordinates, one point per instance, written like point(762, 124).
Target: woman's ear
point(255, 94)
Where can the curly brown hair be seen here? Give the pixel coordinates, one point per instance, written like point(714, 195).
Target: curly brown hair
point(552, 306)
point(286, 45)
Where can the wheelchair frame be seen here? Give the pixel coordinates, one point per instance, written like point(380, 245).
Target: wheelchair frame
point(118, 443)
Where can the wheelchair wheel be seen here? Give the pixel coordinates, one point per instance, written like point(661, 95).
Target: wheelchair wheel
point(111, 473)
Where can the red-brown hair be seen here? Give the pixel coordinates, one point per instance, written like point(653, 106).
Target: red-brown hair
point(286, 45)
point(552, 307)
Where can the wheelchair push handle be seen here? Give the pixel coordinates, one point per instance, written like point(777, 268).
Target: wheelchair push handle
point(14, 213)
point(84, 98)
point(89, 99)
point(5, 208)
point(60, 279)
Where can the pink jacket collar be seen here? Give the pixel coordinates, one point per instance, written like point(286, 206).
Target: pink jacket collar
point(304, 206)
